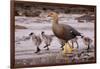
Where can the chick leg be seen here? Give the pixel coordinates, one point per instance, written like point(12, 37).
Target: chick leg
point(38, 50)
point(47, 46)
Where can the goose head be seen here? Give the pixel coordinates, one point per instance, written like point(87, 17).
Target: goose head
point(54, 17)
point(52, 14)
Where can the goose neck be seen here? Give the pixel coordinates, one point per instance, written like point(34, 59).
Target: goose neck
point(55, 19)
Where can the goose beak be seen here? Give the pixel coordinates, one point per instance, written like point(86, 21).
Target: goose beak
point(49, 14)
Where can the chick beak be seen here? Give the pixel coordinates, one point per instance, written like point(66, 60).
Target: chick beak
point(49, 15)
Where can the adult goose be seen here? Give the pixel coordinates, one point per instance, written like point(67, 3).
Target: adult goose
point(62, 31)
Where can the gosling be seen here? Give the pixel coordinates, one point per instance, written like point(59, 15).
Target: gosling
point(47, 39)
point(36, 41)
point(87, 41)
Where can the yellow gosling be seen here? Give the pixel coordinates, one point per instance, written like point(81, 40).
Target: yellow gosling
point(67, 48)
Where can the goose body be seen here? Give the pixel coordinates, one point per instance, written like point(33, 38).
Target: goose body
point(65, 32)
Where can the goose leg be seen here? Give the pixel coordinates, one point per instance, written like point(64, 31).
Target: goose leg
point(62, 42)
point(38, 50)
point(62, 46)
point(69, 44)
point(72, 44)
point(77, 45)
